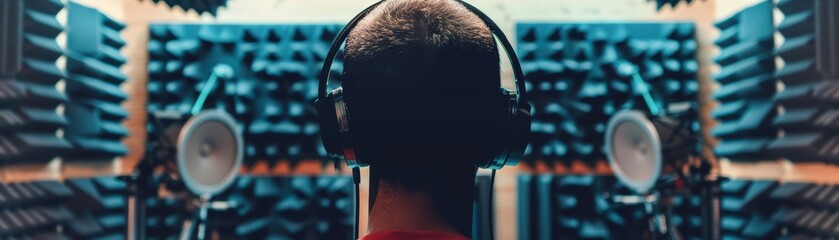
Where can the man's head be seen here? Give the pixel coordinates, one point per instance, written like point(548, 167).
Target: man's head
point(422, 84)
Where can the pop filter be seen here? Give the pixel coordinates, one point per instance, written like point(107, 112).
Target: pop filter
point(647, 151)
point(209, 152)
point(640, 149)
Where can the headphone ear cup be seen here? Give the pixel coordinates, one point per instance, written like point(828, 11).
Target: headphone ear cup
point(514, 134)
point(520, 133)
point(329, 126)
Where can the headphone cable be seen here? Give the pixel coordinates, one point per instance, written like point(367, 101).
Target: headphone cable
point(356, 178)
point(490, 206)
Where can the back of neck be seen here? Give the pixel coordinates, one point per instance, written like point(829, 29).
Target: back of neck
point(440, 210)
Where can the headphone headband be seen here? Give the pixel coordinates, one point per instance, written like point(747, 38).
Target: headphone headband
point(335, 120)
point(493, 28)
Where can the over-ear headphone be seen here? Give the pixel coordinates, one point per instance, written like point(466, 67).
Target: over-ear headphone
point(336, 121)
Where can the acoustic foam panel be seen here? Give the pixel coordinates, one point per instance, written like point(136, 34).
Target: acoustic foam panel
point(749, 209)
point(295, 207)
point(93, 85)
point(575, 207)
point(746, 210)
point(580, 74)
point(810, 100)
point(747, 84)
point(288, 208)
point(28, 74)
point(33, 210)
point(772, 210)
point(808, 210)
point(99, 207)
point(659, 4)
point(199, 6)
point(275, 79)
point(87, 208)
point(687, 215)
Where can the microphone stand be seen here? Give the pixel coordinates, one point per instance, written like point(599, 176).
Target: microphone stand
point(709, 192)
point(197, 227)
point(707, 184)
point(135, 191)
point(141, 179)
point(657, 210)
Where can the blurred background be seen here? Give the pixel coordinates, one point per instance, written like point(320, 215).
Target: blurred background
point(81, 80)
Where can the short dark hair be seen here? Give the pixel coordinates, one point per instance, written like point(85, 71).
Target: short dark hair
point(421, 78)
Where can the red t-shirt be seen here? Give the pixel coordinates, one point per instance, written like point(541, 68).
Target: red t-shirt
point(413, 235)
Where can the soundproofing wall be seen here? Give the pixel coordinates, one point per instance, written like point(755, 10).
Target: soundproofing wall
point(577, 207)
point(580, 74)
point(29, 120)
point(574, 207)
point(808, 211)
point(659, 4)
point(87, 208)
point(747, 83)
point(93, 85)
point(98, 206)
point(299, 207)
point(772, 210)
point(34, 210)
point(270, 94)
point(746, 210)
point(295, 207)
point(810, 99)
point(199, 6)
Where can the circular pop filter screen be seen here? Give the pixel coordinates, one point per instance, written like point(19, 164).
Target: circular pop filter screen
point(209, 152)
point(634, 150)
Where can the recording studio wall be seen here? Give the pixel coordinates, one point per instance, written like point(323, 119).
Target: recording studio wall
point(574, 207)
point(86, 208)
point(275, 79)
point(810, 75)
point(570, 206)
point(747, 84)
point(300, 207)
point(550, 207)
point(29, 119)
point(580, 74)
point(291, 207)
point(578, 207)
point(98, 206)
point(659, 4)
point(772, 210)
point(33, 210)
point(93, 85)
point(809, 211)
point(746, 210)
point(199, 6)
